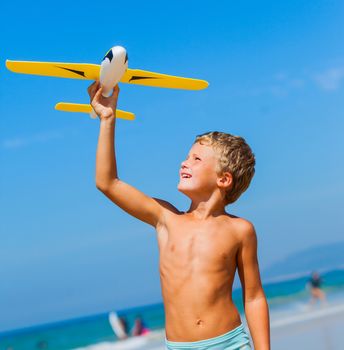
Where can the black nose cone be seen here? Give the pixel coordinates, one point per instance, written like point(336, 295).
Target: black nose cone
point(109, 55)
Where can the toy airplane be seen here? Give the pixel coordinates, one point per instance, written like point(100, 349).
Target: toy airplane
point(113, 69)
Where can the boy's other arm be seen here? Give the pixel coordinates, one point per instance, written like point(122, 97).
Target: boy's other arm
point(255, 304)
point(122, 194)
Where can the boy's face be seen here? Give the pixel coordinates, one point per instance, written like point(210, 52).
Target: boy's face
point(197, 175)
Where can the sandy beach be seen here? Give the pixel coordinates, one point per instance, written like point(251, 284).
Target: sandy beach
point(317, 329)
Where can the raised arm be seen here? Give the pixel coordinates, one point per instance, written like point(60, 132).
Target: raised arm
point(255, 304)
point(125, 196)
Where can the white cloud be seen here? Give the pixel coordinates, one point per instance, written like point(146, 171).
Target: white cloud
point(297, 83)
point(19, 142)
point(330, 79)
point(281, 76)
point(280, 86)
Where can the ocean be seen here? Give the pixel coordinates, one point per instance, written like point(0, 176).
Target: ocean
point(288, 296)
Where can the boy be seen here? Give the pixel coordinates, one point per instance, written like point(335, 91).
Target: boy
point(200, 249)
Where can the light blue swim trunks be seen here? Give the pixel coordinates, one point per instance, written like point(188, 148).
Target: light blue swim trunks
point(236, 339)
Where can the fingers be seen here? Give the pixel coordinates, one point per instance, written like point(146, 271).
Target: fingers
point(116, 90)
point(95, 91)
point(98, 93)
point(92, 89)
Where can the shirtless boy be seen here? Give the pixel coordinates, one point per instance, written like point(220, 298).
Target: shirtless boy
point(200, 249)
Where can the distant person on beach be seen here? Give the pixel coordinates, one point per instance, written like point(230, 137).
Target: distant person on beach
point(200, 249)
point(139, 327)
point(124, 325)
point(317, 293)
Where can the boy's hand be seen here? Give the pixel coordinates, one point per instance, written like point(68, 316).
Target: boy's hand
point(105, 107)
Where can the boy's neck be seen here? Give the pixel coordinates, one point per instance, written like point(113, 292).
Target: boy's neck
point(206, 208)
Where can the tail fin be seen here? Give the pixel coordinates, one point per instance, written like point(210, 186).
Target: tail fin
point(86, 108)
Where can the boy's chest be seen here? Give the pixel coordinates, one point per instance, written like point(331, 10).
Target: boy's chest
point(202, 246)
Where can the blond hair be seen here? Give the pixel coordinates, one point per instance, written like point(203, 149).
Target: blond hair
point(234, 156)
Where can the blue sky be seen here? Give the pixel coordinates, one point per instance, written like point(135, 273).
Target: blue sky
point(276, 73)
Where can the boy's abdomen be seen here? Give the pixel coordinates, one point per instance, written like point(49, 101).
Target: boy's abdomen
point(184, 324)
point(198, 302)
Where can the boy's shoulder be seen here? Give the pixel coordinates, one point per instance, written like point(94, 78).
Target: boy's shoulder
point(243, 228)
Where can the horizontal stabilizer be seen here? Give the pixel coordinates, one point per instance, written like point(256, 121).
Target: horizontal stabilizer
point(56, 69)
point(86, 108)
point(142, 77)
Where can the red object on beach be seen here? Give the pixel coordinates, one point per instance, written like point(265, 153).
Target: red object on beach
point(145, 331)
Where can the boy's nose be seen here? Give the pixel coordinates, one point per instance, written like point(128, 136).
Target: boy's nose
point(184, 164)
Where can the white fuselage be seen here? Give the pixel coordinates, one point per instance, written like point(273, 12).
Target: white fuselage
point(112, 68)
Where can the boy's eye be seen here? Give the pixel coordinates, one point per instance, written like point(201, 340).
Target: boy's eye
point(197, 158)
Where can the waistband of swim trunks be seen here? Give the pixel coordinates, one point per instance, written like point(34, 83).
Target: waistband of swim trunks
point(211, 341)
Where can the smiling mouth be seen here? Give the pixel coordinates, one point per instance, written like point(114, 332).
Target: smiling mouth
point(185, 176)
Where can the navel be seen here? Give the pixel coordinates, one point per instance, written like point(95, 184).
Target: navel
point(199, 322)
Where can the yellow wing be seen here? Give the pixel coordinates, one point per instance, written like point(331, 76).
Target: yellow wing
point(86, 108)
point(142, 77)
point(91, 72)
point(56, 69)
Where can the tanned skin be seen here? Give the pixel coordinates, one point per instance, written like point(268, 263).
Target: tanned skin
point(200, 249)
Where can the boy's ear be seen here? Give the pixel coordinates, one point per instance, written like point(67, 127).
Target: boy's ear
point(225, 180)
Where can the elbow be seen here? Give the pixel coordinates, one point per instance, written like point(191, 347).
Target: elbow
point(104, 186)
point(100, 186)
point(257, 297)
